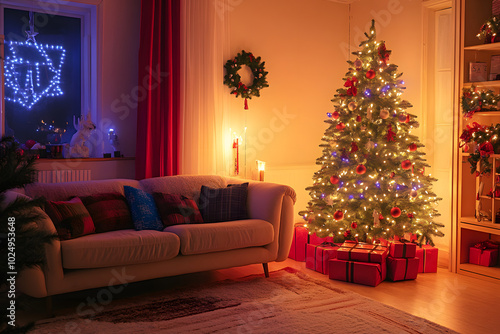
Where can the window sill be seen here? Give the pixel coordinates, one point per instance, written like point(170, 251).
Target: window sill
point(86, 159)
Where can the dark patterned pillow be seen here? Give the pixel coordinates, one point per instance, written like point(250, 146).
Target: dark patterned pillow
point(109, 212)
point(143, 208)
point(177, 209)
point(224, 204)
point(71, 218)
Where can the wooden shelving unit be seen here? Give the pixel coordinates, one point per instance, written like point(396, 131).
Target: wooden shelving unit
point(470, 230)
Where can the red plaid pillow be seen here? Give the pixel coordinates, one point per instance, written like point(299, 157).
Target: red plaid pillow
point(71, 218)
point(177, 209)
point(109, 212)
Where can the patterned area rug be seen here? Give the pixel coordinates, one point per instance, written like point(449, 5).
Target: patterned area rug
point(287, 302)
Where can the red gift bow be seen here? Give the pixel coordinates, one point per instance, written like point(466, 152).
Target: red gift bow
point(469, 130)
point(487, 244)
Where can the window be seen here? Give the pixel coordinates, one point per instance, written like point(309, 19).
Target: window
point(49, 68)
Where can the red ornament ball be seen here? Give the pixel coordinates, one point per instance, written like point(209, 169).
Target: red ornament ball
point(412, 147)
point(413, 193)
point(402, 118)
point(340, 126)
point(406, 164)
point(361, 169)
point(30, 143)
point(370, 74)
point(338, 215)
point(392, 175)
point(358, 118)
point(410, 215)
point(395, 212)
point(354, 224)
point(334, 179)
point(380, 217)
point(335, 114)
point(347, 233)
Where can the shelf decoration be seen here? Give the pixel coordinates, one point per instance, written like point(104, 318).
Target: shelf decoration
point(474, 100)
point(489, 30)
point(233, 80)
point(485, 141)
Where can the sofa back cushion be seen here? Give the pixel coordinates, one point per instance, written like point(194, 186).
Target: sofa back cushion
point(109, 211)
point(224, 204)
point(67, 190)
point(143, 208)
point(187, 185)
point(177, 209)
point(71, 218)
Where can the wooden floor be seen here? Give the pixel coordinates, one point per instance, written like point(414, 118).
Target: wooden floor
point(464, 304)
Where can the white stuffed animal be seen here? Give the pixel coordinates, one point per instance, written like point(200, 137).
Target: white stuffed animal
point(77, 147)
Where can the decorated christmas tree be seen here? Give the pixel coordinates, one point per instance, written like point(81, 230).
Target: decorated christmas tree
point(372, 182)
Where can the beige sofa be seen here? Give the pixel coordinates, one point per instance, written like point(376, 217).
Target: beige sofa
point(124, 256)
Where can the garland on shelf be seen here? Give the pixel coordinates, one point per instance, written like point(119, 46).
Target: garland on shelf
point(489, 30)
point(481, 141)
point(233, 80)
point(474, 101)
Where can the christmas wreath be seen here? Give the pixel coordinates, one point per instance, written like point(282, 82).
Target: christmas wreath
point(233, 80)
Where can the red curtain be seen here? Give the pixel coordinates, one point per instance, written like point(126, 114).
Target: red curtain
point(158, 112)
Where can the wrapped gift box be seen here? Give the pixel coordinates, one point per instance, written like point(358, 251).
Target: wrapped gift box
point(400, 269)
point(363, 252)
point(301, 238)
point(299, 242)
point(428, 256)
point(317, 256)
point(483, 257)
point(357, 272)
point(402, 249)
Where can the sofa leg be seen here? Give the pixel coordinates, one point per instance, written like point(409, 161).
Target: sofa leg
point(266, 269)
point(49, 307)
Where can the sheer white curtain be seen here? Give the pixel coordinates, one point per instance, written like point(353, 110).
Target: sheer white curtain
point(204, 139)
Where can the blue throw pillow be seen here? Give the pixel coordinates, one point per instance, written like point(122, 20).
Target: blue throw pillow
point(224, 204)
point(143, 208)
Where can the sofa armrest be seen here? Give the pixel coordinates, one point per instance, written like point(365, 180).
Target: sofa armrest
point(273, 203)
point(39, 282)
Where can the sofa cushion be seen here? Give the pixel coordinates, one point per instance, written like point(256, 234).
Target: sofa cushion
point(143, 208)
point(119, 248)
point(177, 209)
point(71, 218)
point(109, 212)
point(187, 185)
point(217, 237)
point(66, 190)
point(224, 204)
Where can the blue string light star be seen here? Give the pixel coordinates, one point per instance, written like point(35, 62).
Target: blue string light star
point(32, 72)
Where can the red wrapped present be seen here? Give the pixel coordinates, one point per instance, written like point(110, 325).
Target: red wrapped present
point(301, 238)
point(403, 249)
point(483, 257)
point(317, 256)
point(357, 272)
point(400, 269)
point(299, 242)
point(428, 256)
point(363, 252)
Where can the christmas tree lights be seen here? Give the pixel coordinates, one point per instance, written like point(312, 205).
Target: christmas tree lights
point(32, 72)
point(372, 181)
